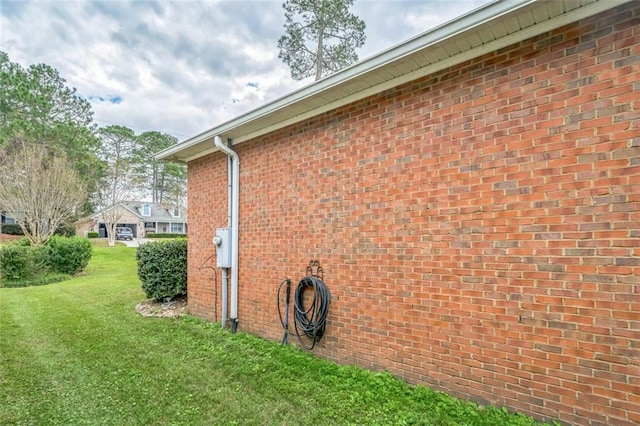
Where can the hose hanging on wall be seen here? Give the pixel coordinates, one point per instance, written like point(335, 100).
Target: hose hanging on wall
point(310, 321)
point(285, 322)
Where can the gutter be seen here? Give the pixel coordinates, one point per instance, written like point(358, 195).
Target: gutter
point(234, 204)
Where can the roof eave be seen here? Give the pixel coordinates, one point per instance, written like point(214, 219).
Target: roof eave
point(202, 144)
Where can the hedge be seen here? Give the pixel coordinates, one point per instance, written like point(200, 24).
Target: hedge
point(11, 229)
point(164, 235)
point(18, 262)
point(21, 264)
point(65, 230)
point(68, 255)
point(162, 268)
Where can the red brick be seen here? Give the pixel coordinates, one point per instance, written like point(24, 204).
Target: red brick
point(486, 246)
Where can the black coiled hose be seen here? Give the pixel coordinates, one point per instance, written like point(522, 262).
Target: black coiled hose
point(311, 321)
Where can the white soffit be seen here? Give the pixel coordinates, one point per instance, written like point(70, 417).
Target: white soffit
point(487, 29)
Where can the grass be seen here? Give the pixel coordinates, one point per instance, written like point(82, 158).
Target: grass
point(50, 278)
point(76, 352)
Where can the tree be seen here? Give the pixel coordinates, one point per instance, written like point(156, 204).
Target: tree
point(39, 188)
point(164, 182)
point(324, 41)
point(117, 184)
point(36, 104)
point(174, 184)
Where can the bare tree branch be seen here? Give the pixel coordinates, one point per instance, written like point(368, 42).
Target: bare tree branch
point(41, 190)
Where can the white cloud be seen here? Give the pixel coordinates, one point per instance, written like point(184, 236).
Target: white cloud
point(182, 67)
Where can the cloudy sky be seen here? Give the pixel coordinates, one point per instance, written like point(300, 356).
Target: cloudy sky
point(182, 67)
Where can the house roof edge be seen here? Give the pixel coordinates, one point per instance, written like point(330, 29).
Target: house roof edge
point(294, 107)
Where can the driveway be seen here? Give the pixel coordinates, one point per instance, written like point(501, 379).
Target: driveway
point(135, 242)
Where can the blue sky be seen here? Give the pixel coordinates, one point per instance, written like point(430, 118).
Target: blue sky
point(182, 67)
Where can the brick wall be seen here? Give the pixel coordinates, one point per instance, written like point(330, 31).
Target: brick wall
point(479, 229)
point(207, 211)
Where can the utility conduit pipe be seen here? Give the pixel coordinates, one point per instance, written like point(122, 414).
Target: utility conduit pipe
point(234, 204)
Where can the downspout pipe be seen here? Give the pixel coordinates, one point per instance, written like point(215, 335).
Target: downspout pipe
point(225, 271)
point(234, 202)
point(225, 297)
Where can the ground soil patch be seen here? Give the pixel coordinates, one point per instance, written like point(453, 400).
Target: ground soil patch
point(171, 309)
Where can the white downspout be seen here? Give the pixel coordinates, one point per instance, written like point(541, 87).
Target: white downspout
point(225, 286)
point(225, 271)
point(234, 203)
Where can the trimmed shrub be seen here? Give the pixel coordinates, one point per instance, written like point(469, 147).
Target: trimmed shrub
point(68, 255)
point(93, 234)
point(16, 262)
point(20, 261)
point(24, 242)
point(22, 265)
point(162, 268)
point(12, 229)
point(164, 235)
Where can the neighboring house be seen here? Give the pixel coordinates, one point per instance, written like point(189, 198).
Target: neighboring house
point(7, 218)
point(473, 196)
point(143, 218)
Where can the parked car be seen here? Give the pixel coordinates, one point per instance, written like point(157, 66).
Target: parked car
point(124, 234)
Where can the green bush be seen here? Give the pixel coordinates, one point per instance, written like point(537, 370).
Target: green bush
point(163, 235)
point(20, 261)
point(68, 255)
point(16, 262)
point(162, 268)
point(22, 265)
point(25, 242)
point(93, 234)
point(66, 230)
point(12, 229)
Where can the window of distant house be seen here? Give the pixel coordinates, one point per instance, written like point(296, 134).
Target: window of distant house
point(146, 210)
point(176, 211)
point(149, 225)
point(176, 228)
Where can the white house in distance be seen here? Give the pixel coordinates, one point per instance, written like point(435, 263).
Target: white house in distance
point(142, 217)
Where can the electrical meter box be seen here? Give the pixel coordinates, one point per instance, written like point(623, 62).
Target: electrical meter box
point(222, 242)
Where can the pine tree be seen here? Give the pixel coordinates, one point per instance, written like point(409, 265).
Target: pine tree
point(321, 37)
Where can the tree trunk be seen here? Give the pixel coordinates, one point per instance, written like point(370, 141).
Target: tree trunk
point(319, 53)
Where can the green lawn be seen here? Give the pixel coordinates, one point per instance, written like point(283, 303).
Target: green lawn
point(77, 353)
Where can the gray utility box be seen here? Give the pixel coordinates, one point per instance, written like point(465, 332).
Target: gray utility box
point(222, 241)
